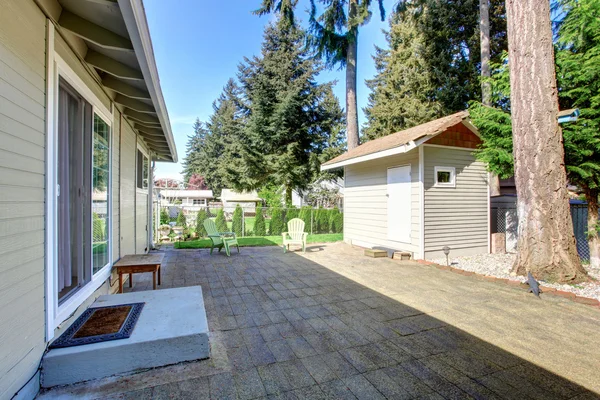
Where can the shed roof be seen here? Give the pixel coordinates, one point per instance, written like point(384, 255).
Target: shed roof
point(187, 194)
point(399, 142)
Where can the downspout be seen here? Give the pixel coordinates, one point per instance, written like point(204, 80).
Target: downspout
point(150, 229)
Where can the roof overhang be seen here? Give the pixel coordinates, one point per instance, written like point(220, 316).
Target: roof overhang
point(111, 38)
point(374, 156)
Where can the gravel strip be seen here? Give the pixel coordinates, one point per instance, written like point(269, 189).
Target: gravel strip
point(499, 266)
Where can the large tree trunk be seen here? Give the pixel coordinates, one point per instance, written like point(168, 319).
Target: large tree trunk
point(546, 244)
point(351, 105)
point(486, 87)
point(591, 196)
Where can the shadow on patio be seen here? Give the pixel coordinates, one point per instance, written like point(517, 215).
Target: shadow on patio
point(334, 324)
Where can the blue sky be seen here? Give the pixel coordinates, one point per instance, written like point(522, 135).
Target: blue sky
point(199, 44)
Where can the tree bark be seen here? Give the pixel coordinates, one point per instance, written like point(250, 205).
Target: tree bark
point(546, 244)
point(486, 87)
point(591, 196)
point(351, 56)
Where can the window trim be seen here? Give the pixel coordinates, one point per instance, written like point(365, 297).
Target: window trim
point(58, 68)
point(147, 156)
point(451, 170)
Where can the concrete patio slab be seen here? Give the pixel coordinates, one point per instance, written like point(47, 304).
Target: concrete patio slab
point(332, 323)
point(172, 328)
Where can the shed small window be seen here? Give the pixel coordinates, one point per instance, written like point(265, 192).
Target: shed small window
point(445, 176)
point(143, 170)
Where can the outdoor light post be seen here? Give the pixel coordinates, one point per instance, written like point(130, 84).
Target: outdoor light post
point(446, 251)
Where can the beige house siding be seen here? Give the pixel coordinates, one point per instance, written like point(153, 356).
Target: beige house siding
point(365, 202)
point(455, 217)
point(127, 189)
point(22, 198)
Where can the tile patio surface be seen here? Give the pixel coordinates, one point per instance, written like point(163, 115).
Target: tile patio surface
point(334, 324)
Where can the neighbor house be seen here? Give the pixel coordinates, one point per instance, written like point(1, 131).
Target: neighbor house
point(418, 191)
point(246, 200)
point(82, 117)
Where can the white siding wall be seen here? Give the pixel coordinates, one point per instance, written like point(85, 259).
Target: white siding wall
point(365, 202)
point(455, 217)
point(127, 189)
point(116, 187)
point(22, 201)
point(141, 216)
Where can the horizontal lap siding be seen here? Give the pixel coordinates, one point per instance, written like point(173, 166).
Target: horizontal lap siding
point(365, 202)
point(127, 189)
point(22, 183)
point(455, 217)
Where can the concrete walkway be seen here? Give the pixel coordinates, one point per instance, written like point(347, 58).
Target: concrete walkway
point(335, 324)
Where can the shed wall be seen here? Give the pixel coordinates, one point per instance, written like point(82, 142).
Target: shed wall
point(366, 202)
point(456, 217)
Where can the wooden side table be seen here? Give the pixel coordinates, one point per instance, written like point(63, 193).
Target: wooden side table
point(136, 263)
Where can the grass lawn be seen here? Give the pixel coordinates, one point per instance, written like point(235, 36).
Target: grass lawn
point(254, 241)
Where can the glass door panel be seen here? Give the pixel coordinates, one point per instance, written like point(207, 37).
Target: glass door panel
point(100, 194)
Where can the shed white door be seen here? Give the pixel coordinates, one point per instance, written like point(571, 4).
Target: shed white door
point(399, 207)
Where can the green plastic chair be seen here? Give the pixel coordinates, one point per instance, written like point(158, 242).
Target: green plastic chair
point(295, 234)
point(220, 239)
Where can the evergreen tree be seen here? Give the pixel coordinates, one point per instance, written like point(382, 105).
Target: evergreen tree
point(336, 221)
point(259, 223)
point(220, 221)
point(306, 216)
point(237, 223)
point(181, 220)
point(334, 37)
point(402, 90)
point(200, 218)
point(291, 119)
point(276, 227)
point(164, 216)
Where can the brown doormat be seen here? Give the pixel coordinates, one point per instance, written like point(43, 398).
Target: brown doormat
point(101, 324)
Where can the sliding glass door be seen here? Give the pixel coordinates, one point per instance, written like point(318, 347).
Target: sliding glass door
point(83, 192)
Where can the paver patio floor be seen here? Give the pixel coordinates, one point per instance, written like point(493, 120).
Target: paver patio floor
point(332, 323)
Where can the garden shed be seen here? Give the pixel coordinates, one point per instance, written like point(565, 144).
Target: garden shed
point(418, 191)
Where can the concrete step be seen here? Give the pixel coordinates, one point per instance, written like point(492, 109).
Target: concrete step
point(172, 328)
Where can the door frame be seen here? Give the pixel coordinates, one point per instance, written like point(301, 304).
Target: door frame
point(58, 67)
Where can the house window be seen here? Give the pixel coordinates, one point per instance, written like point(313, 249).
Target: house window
point(445, 176)
point(143, 170)
point(199, 202)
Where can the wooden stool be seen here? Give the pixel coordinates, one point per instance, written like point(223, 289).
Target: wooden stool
point(136, 263)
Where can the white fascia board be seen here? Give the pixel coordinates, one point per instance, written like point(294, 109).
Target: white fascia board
point(405, 148)
point(139, 34)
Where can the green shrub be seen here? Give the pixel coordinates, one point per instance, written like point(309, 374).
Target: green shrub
point(260, 229)
point(200, 218)
point(164, 217)
point(237, 226)
point(336, 221)
point(97, 228)
point(181, 221)
point(221, 222)
point(304, 215)
point(324, 221)
point(292, 213)
point(276, 226)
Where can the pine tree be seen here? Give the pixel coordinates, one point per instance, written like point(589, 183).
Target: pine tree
point(200, 218)
point(220, 221)
point(289, 124)
point(402, 90)
point(276, 226)
point(259, 223)
point(181, 220)
point(237, 223)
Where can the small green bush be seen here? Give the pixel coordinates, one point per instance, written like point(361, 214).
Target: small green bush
point(292, 213)
point(237, 224)
point(304, 215)
point(260, 229)
point(181, 221)
point(164, 217)
point(336, 221)
point(221, 222)
point(200, 218)
point(276, 226)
